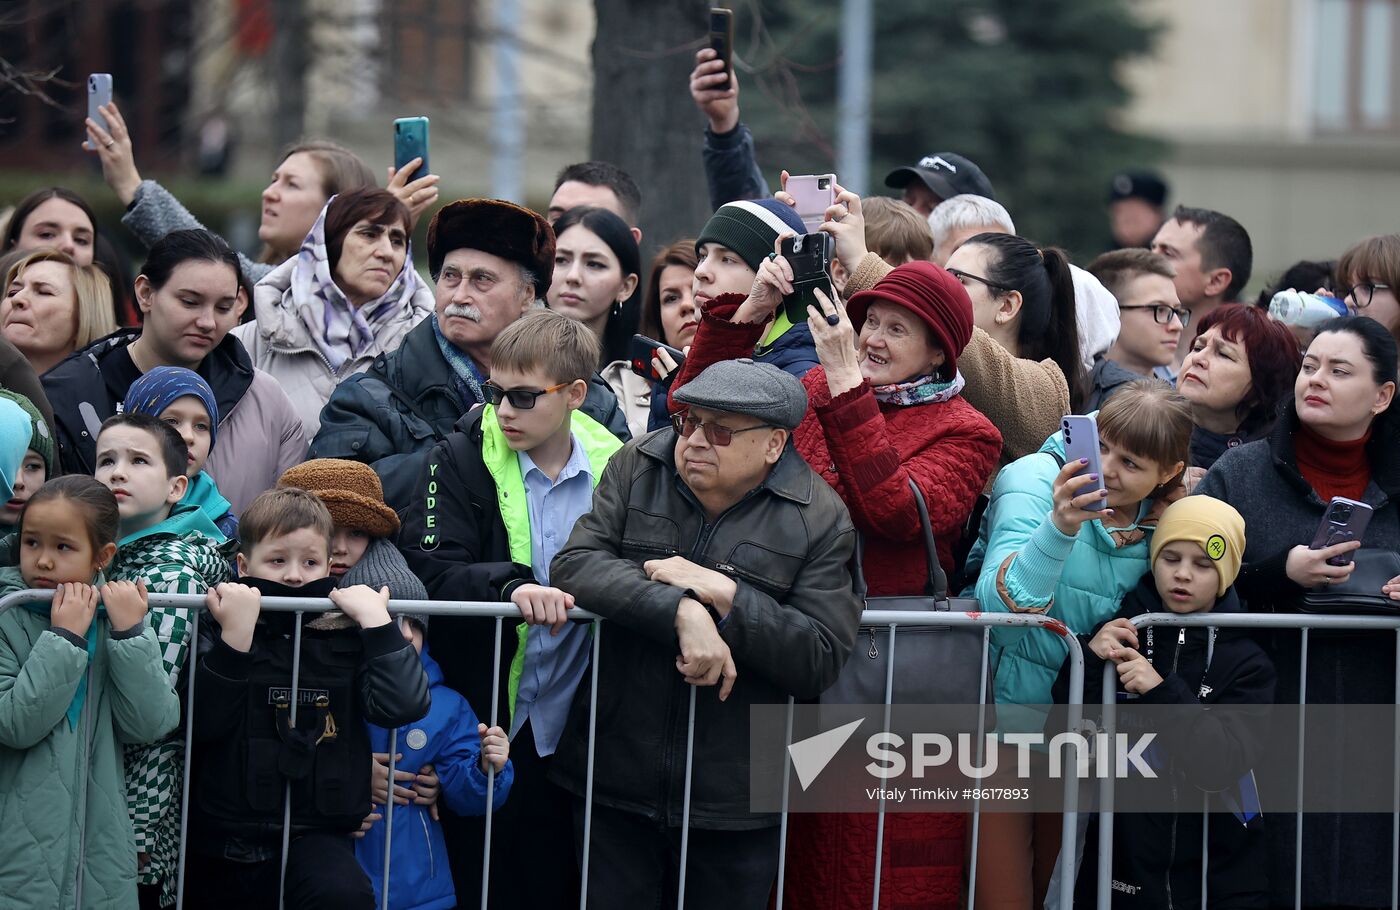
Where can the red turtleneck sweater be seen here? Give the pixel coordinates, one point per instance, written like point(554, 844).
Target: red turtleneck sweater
point(1333, 468)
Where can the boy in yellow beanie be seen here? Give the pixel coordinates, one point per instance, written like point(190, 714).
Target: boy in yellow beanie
point(1195, 559)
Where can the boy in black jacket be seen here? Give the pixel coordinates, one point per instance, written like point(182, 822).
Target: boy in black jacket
point(356, 666)
point(1195, 554)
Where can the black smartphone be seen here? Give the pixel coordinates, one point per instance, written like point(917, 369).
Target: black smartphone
point(641, 352)
point(722, 41)
point(1345, 519)
point(810, 258)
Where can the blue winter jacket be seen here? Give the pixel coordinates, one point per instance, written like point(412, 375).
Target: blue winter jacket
point(1081, 579)
point(447, 739)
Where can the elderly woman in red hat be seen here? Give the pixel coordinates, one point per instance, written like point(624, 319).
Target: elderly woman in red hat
point(883, 408)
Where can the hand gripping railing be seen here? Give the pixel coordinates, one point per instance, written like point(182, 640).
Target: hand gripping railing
point(892, 620)
point(1305, 623)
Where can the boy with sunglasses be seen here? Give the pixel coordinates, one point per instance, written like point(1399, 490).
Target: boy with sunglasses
point(498, 498)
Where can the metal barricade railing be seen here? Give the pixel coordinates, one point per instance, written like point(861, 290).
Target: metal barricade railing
point(1305, 623)
point(891, 620)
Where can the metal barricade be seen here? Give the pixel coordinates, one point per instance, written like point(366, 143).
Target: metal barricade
point(502, 611)
point(1305, 623)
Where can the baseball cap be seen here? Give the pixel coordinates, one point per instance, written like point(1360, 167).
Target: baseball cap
point(946, 174)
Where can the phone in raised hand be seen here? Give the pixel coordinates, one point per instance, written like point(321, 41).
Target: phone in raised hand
point(1082, 442)
point(812, 195)
point(411, 141)
point(99, 92)
point(722, 41)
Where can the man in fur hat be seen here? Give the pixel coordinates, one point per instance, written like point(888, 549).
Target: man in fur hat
point(492, 261)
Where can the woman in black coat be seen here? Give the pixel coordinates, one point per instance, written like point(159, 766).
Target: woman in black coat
point(1339, 436)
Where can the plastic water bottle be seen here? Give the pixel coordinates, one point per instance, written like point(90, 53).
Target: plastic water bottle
point(1307, 311)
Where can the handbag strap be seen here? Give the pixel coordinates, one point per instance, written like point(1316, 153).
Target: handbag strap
point(936, 584)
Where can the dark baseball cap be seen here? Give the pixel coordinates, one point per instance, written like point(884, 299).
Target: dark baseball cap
point(946, 174)
point(1145, 185)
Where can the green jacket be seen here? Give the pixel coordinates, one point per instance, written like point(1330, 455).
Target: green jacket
point(185, 554)
point(68, 839)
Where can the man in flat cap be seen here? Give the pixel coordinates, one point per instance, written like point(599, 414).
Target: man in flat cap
point(492, 261)
point(720, 559)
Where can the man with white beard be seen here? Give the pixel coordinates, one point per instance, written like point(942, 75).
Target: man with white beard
point(491, 261)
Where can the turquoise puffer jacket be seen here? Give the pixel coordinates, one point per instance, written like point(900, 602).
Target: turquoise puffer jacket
point(1087, 576)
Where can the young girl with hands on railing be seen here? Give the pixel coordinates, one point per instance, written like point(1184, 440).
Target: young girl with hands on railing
point(79, 677)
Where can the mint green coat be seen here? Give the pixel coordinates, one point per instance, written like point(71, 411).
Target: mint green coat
point(67, 836)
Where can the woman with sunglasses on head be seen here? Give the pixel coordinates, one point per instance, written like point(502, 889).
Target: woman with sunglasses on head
point(884, 410)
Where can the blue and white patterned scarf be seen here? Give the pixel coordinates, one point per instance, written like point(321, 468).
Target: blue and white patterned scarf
point(339, 330)
point(920, 390)
point(466, 375)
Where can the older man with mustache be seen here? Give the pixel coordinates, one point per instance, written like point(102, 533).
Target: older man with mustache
point(492, 261)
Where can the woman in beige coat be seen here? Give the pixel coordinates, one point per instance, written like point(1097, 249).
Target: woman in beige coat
point(350, 294)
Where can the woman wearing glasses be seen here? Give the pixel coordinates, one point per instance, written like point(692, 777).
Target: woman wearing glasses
point(1369, 274)
point(348, 295)
point(884, 408)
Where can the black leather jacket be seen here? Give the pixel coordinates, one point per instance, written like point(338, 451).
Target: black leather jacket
point(787, 544)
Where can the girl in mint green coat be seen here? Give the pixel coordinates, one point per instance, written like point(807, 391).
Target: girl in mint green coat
point(79, 677)
point(1041, 551)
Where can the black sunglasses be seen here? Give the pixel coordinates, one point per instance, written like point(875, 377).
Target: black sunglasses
point(965, 277)
point(520, 399)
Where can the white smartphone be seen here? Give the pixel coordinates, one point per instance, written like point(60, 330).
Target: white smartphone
point(99, 86)
point(814, 194)
point(1082, 442)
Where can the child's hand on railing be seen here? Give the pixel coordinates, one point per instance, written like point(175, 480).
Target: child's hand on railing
point(73, 607)
point(368, 607)
point(495, 748)
point(126, 603)
point(235, 608)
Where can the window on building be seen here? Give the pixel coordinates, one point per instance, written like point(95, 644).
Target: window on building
point(1356, 79)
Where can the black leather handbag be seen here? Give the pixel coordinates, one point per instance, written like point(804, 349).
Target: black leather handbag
point(934, 664)
point(1361, 592)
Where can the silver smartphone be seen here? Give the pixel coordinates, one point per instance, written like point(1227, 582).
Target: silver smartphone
point(1082, 441)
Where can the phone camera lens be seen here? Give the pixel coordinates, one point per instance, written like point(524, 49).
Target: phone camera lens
point(824, 184)
point(1343, 514)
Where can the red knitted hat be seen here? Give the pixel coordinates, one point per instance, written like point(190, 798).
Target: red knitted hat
point(932, 294)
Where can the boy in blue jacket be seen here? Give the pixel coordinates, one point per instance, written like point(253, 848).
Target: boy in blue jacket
point(459, 748)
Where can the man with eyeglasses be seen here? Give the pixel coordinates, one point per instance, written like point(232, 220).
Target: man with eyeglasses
point(492, 262)
point(1152, 320)
point(719, 558)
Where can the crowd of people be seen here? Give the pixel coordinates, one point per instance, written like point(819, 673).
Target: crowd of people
point(323, 422)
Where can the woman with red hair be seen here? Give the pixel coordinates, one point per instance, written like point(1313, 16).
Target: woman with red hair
point(1240, 370)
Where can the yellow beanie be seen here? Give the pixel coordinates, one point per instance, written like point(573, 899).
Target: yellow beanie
point(1212, 525)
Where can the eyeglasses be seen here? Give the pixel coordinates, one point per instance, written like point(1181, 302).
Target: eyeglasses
point(717, 433)
point(965, 277)
point(1163, 313)
point(1362, 293)
point(520, 399)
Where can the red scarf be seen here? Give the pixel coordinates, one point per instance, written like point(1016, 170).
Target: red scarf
point(1333, 468)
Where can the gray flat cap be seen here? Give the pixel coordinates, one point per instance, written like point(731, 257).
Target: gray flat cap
point(743, 387)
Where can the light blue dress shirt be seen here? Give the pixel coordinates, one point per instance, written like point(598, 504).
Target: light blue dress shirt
point(554, 664)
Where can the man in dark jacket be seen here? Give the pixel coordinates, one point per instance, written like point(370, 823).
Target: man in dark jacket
point(491, 260)
point(715, 542)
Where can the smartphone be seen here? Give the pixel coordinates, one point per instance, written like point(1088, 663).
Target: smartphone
point(1082, 442)
point(641, 352)
point(722, 41)
point(99, 87)
point(411, 141)
point(810, 258)
point(1345, 519)
point(814, 194)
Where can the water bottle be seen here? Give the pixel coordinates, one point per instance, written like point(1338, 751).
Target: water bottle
point(1306, 311)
